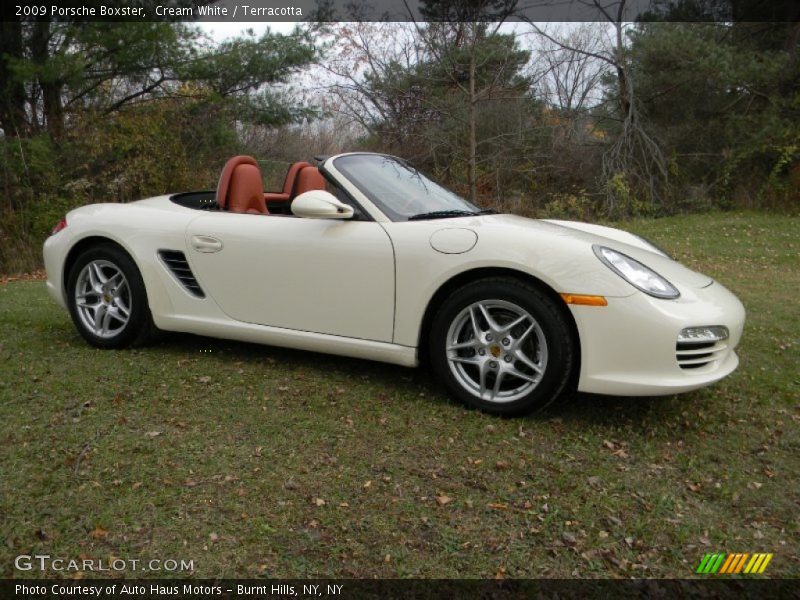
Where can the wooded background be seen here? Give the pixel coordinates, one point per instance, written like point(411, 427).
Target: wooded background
point(598, 120)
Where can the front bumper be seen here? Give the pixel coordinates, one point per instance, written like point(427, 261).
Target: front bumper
point(54, 251)
point(628, 348)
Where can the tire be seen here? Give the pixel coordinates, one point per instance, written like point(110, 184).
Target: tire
point(107, 299)
point(503, 346)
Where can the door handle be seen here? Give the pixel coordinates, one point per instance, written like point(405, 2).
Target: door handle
point(206, 243)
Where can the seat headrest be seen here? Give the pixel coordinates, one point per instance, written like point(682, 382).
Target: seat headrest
point(246, 190)
point(225, 177)
point(309, 179)
point(291, 176)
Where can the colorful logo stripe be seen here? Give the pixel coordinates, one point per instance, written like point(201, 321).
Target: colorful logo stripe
point(730, 564)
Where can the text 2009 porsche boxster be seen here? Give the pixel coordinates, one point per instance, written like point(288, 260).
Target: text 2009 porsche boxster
point(364, 256)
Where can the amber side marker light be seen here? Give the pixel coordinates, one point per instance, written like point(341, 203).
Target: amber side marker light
point(584, 300)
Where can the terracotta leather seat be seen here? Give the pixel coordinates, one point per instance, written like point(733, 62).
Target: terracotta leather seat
point(309, 178)
point(240, 188)
point(289, 190)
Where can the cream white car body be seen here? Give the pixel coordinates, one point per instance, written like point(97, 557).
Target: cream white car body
point(364, 288)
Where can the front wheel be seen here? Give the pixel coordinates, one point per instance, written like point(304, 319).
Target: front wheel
point(107, 299)
point(502, 346)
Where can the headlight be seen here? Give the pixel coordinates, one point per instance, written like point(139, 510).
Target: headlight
point(636, 273)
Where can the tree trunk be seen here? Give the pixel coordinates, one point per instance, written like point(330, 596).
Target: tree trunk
point(13, 119)
point(622, 78)
point(49, 83)
point(473, 135)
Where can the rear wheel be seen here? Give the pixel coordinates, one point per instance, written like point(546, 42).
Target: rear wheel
point(107, 299)
point(502, 346)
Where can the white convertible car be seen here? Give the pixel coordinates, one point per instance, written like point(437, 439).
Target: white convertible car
point(364, 256)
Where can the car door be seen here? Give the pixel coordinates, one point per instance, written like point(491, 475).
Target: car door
point(318, 275)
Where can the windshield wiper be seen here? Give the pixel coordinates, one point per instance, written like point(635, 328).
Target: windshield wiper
point(443, 214)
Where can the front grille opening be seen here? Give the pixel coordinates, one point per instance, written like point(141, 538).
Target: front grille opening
point(176, 262)
point(693, 345)
point(695, 355)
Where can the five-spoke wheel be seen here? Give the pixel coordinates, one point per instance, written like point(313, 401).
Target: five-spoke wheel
point(503, 346)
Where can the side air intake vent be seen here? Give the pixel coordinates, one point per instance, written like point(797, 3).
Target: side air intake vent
point(699, 346)
point(179, 267)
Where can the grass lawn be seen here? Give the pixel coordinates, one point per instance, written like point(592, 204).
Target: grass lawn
point(259, 461)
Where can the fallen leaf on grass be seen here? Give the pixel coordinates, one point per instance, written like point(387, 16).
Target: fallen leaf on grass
point(443, 499)
point(152, 434)
point(257, 451)
point(319, 502)
point(213, 537)
point(497, 506)
point(99, 533)
point(695, 487)
point(136, 485)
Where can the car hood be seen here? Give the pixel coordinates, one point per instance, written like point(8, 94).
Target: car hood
point(588, 234)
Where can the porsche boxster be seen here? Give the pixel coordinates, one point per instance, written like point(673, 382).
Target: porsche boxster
point(362, 255)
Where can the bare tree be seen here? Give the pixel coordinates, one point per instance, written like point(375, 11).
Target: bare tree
point(572, 79)
point(359, 54)
point(634, 153)
point(402, 80)
point(447, 42)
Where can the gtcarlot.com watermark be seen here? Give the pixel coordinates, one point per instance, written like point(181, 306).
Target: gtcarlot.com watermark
point(45, 562)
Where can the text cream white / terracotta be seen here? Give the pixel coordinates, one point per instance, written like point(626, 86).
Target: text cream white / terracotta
point(364, 256)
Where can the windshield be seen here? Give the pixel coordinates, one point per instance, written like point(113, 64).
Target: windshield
point(399, 190)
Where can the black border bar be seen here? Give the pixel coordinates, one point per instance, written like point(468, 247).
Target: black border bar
point(422, 589)
point(249, 11)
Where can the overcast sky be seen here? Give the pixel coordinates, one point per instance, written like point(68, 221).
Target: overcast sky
point(221, 31)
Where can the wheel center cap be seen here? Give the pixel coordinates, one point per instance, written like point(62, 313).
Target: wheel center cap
point(495, 350)
point(107, 298)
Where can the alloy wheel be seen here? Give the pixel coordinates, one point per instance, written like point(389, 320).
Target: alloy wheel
point(496, 350)
point(103, 298)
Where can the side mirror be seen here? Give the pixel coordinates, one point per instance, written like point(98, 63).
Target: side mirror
point(319, 204)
